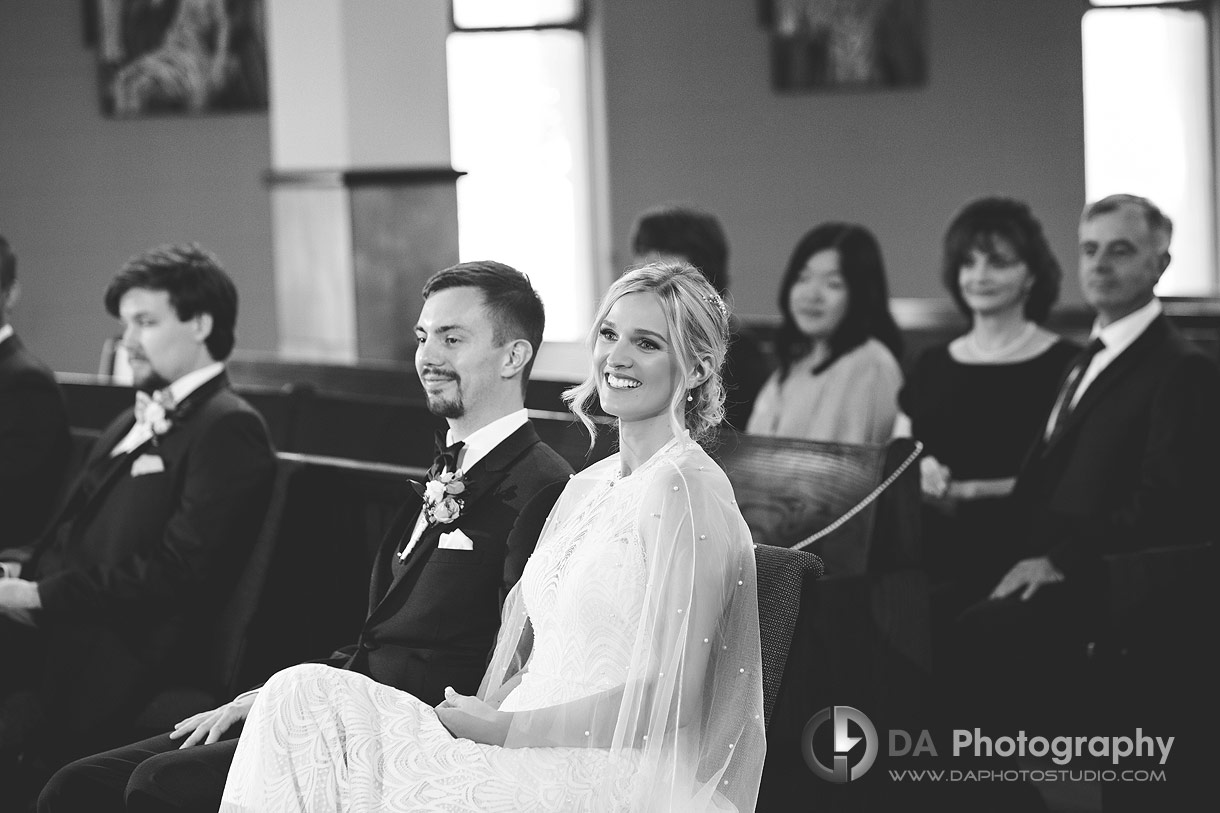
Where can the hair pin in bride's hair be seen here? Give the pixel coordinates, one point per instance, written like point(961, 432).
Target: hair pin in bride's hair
point(718, 302)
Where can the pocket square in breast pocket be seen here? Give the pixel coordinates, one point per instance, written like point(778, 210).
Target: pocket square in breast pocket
point(455, 540)
point(147, 464)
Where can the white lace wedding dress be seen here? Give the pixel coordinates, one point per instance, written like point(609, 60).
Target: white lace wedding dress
point(633, 579)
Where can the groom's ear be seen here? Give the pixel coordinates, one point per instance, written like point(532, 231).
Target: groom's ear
point(519, 352)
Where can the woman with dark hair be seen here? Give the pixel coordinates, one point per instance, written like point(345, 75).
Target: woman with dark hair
point(978, 402)
point(838, 347)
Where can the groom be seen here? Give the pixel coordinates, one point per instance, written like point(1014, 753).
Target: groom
point(443, 568)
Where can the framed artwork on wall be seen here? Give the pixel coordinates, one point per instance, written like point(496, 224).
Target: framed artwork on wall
point(830, 44)
point(168, 57)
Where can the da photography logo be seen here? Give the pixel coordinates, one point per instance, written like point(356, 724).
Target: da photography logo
point(844, 719)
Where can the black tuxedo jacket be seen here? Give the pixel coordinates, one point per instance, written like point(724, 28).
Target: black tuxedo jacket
point(1135, 465)
point(153, 556)
point(433, 623)
point(34, 443)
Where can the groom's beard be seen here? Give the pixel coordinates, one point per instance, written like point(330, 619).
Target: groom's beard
point(445, 406)
point(451, 407)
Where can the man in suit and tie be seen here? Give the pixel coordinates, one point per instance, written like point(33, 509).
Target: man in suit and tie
point(111, 601)
point(444, 567)
point(34, 439)
point(1127, 460)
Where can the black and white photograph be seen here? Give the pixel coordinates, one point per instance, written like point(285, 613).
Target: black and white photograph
point(609, 406)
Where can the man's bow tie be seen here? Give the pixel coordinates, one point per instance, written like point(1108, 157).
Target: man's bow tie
point(445, 458)
point(155, 408)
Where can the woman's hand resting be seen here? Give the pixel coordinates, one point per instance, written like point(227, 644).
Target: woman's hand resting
point(469, 718)
point(940, 489)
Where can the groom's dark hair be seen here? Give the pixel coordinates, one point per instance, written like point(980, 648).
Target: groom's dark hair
point(514, 306)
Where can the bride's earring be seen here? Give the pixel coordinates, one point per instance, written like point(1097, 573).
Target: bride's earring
point(689, 397)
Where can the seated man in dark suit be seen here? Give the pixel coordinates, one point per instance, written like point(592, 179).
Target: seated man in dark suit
point(33, 426)
point(111, 601)
point(443, 568)
point(686, 233)
point(1127, 460)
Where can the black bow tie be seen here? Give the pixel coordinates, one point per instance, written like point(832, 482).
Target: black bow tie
point(445, 458)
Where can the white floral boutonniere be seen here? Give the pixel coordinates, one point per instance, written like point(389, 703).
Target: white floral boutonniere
point(156, 411)
point(442, 496)
point(158, 419)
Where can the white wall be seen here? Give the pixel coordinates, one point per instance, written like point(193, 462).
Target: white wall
point(80, 193)
point(692, 117)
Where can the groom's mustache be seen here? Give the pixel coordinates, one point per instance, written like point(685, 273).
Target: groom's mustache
point(437, 372)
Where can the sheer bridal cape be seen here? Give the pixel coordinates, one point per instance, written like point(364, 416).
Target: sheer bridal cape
point(628, 655)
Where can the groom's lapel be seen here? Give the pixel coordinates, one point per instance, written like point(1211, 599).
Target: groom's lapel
point(385, 566)
point(486, 475)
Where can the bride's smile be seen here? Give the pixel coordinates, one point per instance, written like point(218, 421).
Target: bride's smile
point(638, 371)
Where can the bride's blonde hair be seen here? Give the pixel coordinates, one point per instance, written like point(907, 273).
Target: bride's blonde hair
point(698, 323)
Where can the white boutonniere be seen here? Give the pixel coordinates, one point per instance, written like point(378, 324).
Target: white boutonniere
point(158, 419)
point(156, 412)
point(442, 496)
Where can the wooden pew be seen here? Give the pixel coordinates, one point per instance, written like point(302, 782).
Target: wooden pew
point(379, 429)
point(380, 379)
point(788, 489)
point(863, 638)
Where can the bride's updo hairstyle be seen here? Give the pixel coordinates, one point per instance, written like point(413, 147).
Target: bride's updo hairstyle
point(698, 323)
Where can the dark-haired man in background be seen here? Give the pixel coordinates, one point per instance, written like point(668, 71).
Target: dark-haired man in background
point(685, 233)
point(33, 426)
point(441, 573)
point(111, 601)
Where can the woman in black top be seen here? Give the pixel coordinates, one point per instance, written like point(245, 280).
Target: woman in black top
point(979, 402)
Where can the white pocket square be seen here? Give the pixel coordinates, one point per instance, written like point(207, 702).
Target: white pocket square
point(147, 464)
point(455, 540)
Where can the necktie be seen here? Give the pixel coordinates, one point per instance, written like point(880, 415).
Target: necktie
point(1063, 404)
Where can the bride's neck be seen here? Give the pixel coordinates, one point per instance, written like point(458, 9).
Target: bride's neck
point(640, 440)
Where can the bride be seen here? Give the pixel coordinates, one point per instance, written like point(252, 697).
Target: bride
point(627, 674)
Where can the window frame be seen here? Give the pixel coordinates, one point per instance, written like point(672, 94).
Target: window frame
point(578, 22)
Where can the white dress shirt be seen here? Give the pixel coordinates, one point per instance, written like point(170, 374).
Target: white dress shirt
point(474, 448)
point(180, 389)
point(5, 332)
